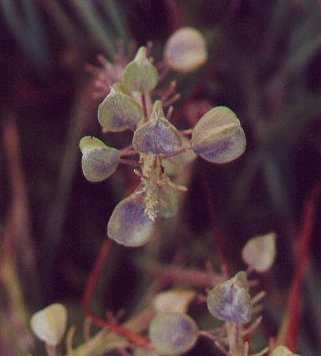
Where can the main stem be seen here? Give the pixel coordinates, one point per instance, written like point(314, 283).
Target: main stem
point(235, 338)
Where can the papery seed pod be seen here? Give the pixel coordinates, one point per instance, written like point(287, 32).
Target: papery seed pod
point(140, 74)
point(283, 351)
point(173, 333)
point(230, 300)
point(49, 324)
point(185, 50)
point(259, 252)
point(174, 300)
point(218, 136)
point(157, 135)
point(119, 112)
point(129, 225)
point(90, 142)
point(145, 352)
point(98, 160)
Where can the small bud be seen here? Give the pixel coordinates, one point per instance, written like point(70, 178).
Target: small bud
point(283, 351)
point(173, 333)
point(230, 300)
point(174, 301)
point(259, 252)
point(98, 161)
point(129, 225)
point(185, 50)
point(49, 324)
point(140, 75)
point(218, 136)
point(119, 112)
point(158, 135)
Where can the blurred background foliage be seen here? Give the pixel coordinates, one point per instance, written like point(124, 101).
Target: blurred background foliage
point(264, 63)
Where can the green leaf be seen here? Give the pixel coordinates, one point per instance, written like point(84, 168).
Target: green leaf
point(173, 333)
point(185, 50)
point(119, 112)
point(140, 74)
point(218, 136)
point(158, 135)
point(98, 160)
point(230, 300)
point(129, 225)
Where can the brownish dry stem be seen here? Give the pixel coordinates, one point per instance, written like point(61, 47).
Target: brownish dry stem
point(177, 274)
point(18, 217)
point(16, 243)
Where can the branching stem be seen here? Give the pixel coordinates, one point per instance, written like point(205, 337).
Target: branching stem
point(93, 278)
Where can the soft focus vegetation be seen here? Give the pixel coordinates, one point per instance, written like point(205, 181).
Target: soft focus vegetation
point(240, 246)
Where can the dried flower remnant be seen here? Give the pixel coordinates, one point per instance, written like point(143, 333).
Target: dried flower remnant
point(49, 324)
point(109, 72)
point(259, 252)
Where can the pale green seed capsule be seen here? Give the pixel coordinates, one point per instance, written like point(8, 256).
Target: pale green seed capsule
point(185, 50)
point(98, 160)
point(283, 351)
point(158, 135)
point(140, 74)
point(230, 300)
point(173, 333)
point(129, 225)
point(218, 136)
point(259, 252)
point(119, 112)
point(49, 324)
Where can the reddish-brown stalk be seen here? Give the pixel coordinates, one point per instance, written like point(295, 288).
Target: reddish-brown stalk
point(174, 15)
point(302, 254)
point(130, 335)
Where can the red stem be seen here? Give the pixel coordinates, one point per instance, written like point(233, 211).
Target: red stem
point(174, 14)
point(302, 255)
point(98, 321)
